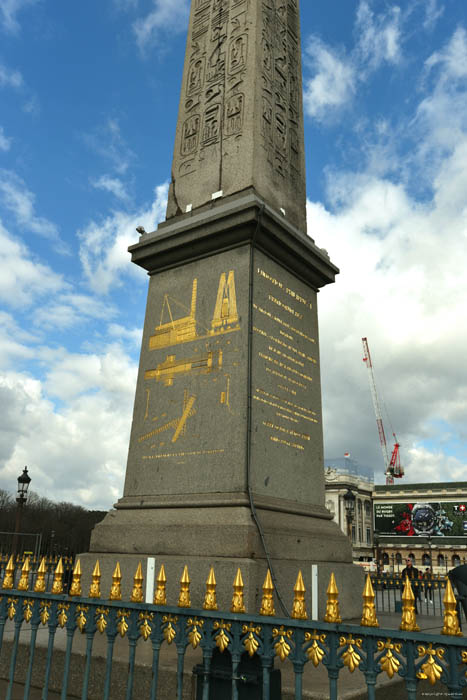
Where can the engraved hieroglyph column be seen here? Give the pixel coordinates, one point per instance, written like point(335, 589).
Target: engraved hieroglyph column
point(240, 122)
point(227, 416)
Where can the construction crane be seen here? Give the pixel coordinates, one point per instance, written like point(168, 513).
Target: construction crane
point(392, 464)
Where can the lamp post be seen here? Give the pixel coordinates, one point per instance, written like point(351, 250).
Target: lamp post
point(349, 502)
point(376, 541)
point(23, 484)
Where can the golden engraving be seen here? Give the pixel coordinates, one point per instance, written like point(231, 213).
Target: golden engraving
point(8, 581)
point(169, 630)
point(57, 584)
point(286, 307)
point(225, 395)
point(192, 453)
point(286, 289)
point(171, 368)
point(430, 670)
point(225, 312)
point(282, 365)
point(275, 373)
point(184, 596)
point(351, 657)
point(95, 587)
point(332, 605)
point(39, 586)
point(369, 609)
point(11, 607)
point(250, 642)
point(389, 663)
point(281, 441)
point(45, 605)
point(267, 602)
point(283, 404)
point(116, 588)
point(180, 330)
point(101, 622)
point(137, 590)
point(282, 323)
point(238, 606)
point(282, 647)
point(284, 417)
point(315, 652)
point(27, 605)
point(293, 433)
point(148, 394)
point(194, 636)
point(210, 602)
point(451, 621)
point(122, 624)
point(409, 621)
point(23, 584)
point(299, 605)
point(285, 356)
point(222, 640)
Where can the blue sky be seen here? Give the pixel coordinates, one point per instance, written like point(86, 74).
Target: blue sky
point(88, 105)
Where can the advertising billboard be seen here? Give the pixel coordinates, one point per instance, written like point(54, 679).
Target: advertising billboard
point(446, 519)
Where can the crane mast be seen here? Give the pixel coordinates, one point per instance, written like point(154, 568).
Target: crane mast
point(392, 465)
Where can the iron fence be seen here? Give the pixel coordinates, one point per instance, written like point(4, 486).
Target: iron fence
point(77, 621)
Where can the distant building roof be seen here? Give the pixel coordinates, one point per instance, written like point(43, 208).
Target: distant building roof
point(347, 465)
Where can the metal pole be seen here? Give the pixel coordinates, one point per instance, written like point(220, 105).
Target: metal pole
point(19, 509)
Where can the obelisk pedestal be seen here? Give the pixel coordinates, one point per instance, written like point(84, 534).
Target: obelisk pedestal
point(225, 463)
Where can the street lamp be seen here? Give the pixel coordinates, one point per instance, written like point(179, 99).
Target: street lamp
point(349, 502)
point(23, 484)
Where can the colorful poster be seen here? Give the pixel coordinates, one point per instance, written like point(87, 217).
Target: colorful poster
point(421, 519)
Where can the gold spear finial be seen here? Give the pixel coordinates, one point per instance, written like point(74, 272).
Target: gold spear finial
point(267, 601)
point(23, 584)
point(369, 618)
point(332, 604)
point(238, 606)
point(39, 586)
point(116, 588)
point(57, 584)
point(9, 578)
point(451, 621)
point(409, 621)
point(137, 591)
point(184, 597)
point(95, 587)
point(210, 602)
point(160, 595)
point(299, 606)
point(75, 588)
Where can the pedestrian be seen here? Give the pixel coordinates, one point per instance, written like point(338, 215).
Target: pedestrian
point(412, 573)
point(428, 578)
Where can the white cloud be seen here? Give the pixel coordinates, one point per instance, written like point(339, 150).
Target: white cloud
point(104, 244)
point(16, 198)
point(9, 10)
point(71, 309)
point(166, 16)
point(379, 36)
point(23, 279)
point(5, 142)
point(433, 12)
point(111, 184)
point(10, 78)
point(452, 60)
point(82, 442)
point(333, 83)
point(107, 141)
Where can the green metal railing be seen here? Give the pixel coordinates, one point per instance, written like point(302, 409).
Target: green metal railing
point(333, 645)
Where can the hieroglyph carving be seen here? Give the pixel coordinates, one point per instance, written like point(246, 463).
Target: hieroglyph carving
point(214, 104)
point(280, 86)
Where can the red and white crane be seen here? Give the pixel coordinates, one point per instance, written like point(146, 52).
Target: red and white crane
point(392, 465)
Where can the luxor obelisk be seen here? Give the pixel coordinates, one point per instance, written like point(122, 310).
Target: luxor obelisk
point(225, 463)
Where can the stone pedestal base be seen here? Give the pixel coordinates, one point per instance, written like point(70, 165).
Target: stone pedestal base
point(227, 538)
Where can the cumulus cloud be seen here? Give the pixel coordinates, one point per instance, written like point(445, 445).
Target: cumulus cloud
point(166, 16)
point(333, 83)
point(400, 286)
point(111, 184)
point(104, 244)
point(23, 279)
point(9, 10)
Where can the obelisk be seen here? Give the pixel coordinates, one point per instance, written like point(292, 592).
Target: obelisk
point(225, 463)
